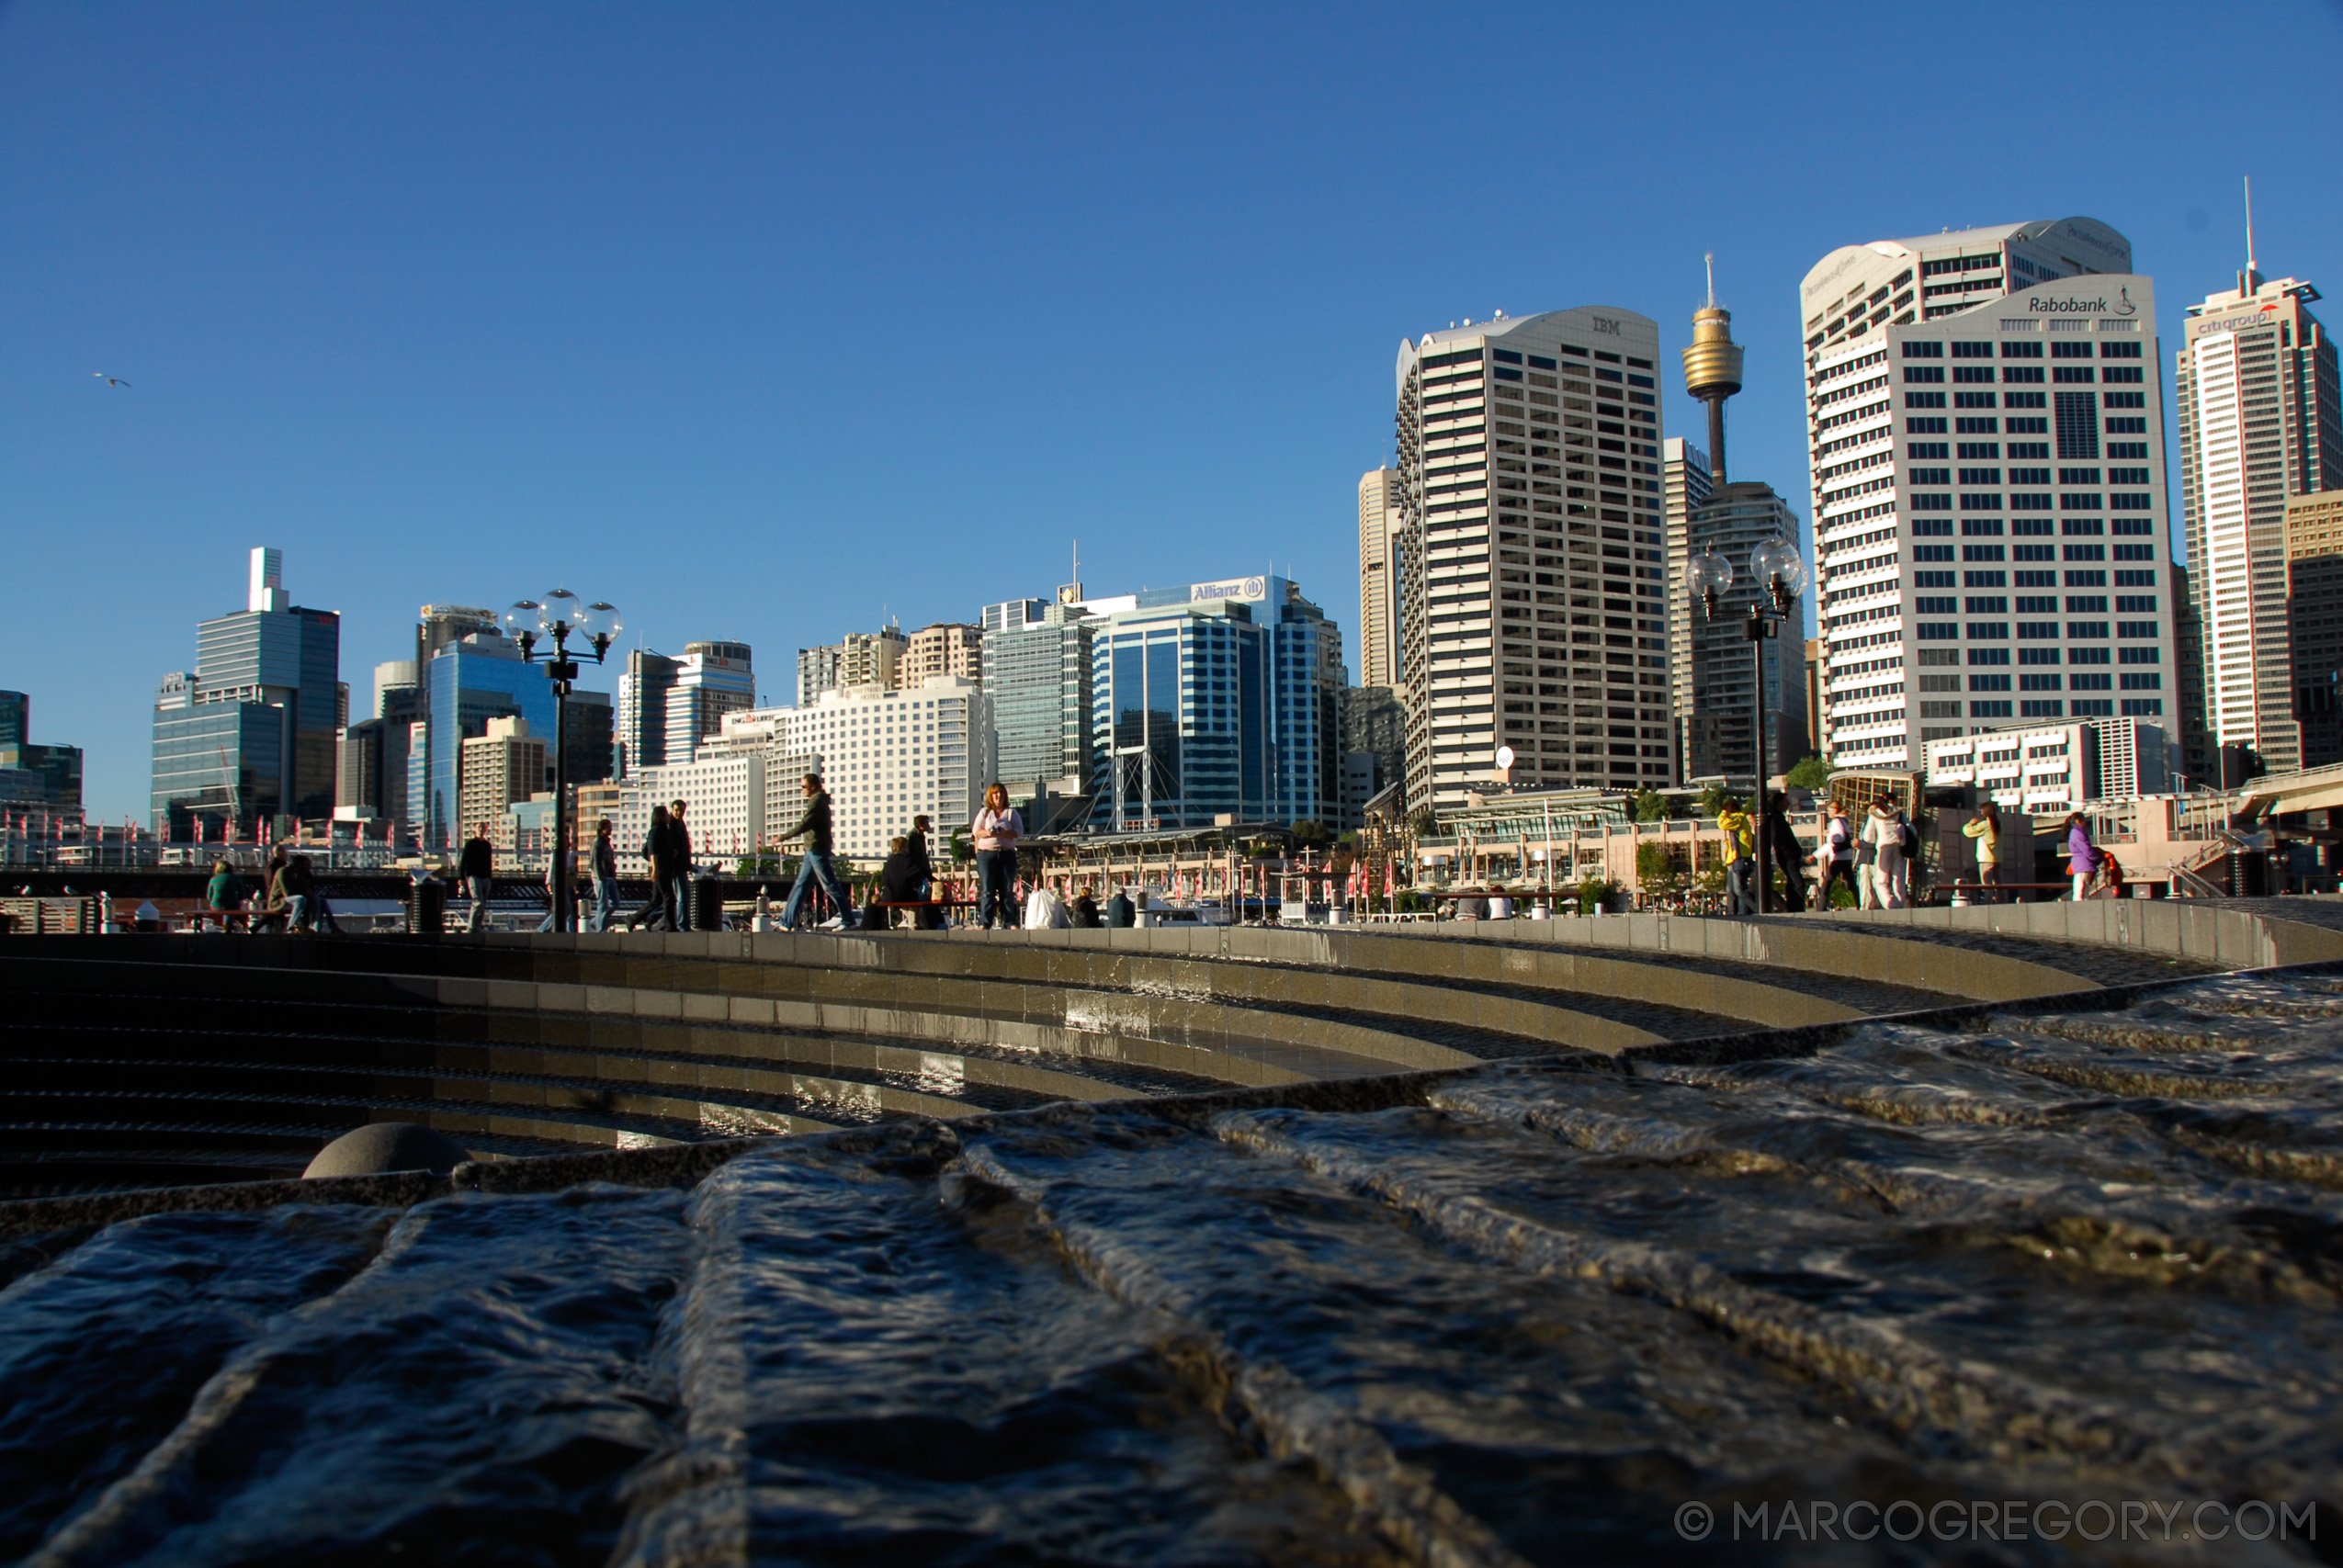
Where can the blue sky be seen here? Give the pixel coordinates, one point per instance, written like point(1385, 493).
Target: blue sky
point(765, 321)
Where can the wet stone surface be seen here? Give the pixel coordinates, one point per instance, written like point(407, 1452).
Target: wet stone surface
point(1529, 1315)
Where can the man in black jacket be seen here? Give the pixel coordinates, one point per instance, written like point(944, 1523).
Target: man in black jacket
point(476, 869)
point(679, 849)
point(817, 866)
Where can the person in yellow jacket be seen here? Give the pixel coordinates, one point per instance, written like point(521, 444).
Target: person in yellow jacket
point(1741, 875)
point(1985, 829)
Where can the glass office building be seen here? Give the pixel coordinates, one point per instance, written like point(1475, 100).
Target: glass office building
point(1217, 699)
point(247, 740)
point(465, 684)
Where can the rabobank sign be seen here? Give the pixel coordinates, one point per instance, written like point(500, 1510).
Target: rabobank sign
point(1251, 589)
point(2080, 305)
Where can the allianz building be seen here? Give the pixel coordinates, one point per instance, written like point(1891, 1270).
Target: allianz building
point(1215, 700)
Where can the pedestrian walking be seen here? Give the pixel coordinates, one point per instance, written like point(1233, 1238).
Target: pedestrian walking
point(1835, 856)
point(1740, 872)
point(1890, 882)
point(658, 850)
point(1789, 855)
point(1985, 829)
point(605, 875)
point(680, 906)
point(995, 831)
point(476, 869)
point(816, 868)
point(2082, 855)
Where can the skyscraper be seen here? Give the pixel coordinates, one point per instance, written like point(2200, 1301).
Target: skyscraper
point(1534, 441)
point(2021, 341)
point(2315, 605)
point(1379, 521)
point(2260, 421)
point(465, 684)
point(643, 711)
point(946, 647)
point(1036, 671)
point(249, 737)
point(1217, 699)
point(1686, 485)
point(46, 774)
point(859, 658)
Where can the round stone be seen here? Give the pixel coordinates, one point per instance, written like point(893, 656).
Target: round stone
point(380, 1147)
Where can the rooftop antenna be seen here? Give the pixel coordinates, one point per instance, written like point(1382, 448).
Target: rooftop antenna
point(1709, 259)
point(2249, 225)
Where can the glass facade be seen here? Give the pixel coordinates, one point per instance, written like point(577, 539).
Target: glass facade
point(1207, 707)
point(1038, 674)
point(252, 735)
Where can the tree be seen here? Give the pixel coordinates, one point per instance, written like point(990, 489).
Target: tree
point(1424, 822)
point(1812, 772)
point(1311, 833)
point(1650, 806)
point(1660, 872)
point(1714, 799)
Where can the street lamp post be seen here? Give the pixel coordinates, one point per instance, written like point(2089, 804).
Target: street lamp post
point(559, 618)
point(1779, 574)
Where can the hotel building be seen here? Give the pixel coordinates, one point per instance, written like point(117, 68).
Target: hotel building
point(1532, 592)
point(1991, 531)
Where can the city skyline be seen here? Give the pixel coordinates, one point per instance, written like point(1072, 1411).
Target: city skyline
point(427, 372)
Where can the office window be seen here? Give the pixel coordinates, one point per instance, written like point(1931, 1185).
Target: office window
point(1924, 400)
point(1989, 683)
point(1968, 400)
point(1973, 351)
point(2077, 417)
point(1975, 449)
point(1915, 349)
point(2038, 682)
point(2127, 400)
point(1971, 373)
point(2024, 401)
point(2021, 373)
point(1988, 655)
point(2070, 350)
point(1923, 449)
point(1924, 427)
point(1989, 710)
point(1978, 427)
point(1923, 372)
point(2021, 349)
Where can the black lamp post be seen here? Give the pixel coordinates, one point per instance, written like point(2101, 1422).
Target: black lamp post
point(1778, 573)
point(559, 618)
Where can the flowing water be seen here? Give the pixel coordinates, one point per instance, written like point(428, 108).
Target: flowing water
point(1546, 1314)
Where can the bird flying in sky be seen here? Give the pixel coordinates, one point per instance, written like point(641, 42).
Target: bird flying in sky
point(110, 380)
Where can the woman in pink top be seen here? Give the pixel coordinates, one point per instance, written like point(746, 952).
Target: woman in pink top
point(996, 830)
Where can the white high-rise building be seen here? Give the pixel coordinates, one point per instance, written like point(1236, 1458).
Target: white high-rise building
point(1532, 593)
point(2259, 424)
point(885, 755)
point(1991, 531)
point(1379, 524)
point(1687, 486)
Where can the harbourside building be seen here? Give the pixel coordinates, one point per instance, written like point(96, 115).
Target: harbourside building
point(1992, 534)
point(1532, 585)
